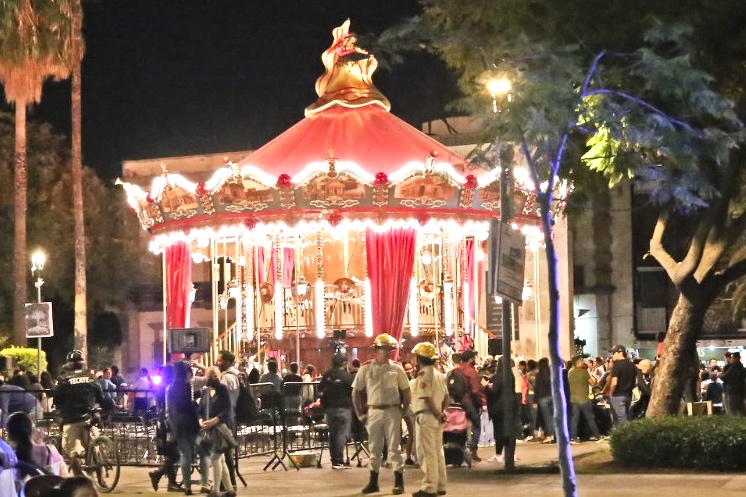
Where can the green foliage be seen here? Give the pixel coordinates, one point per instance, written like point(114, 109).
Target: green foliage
point(697, 442)
point(100, 357)
point(26, 357)
point(35, 37)
point(114, 243)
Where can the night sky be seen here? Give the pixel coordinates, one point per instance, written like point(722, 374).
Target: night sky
point(182, 77)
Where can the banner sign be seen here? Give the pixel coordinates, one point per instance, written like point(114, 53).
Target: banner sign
point(39, 320)
point(507, 262)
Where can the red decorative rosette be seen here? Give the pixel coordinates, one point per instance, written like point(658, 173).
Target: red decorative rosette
point(423, 219)
point(250, 223)
point(284, 181)
point(381, 179)
point(471, 182)
point(201, 189)
point(335, 219)
point(149, 199)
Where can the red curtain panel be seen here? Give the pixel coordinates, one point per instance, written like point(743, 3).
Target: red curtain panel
point(390, 258)
point(178, 284)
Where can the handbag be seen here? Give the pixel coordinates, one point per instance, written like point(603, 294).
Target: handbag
point(217, 438)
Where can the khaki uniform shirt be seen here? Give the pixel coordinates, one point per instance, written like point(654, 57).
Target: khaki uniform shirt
point(429, 383)
point(382, 383)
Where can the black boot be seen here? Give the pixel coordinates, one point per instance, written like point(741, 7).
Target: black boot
point(372, 485)
point(398, 483)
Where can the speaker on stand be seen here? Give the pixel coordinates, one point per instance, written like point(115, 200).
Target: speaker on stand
point(494, 346)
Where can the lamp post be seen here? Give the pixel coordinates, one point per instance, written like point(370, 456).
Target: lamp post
point(37, 265)
point(501, 88)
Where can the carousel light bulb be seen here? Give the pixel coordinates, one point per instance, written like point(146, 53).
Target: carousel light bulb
point(302, 286)
point(203, 242)
point(197, 257)
point(528, 292)
point(426, 258)
point(480, 255)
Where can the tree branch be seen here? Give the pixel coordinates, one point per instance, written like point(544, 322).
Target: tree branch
point(722, 236)
point(641, 103)
point(658, 251)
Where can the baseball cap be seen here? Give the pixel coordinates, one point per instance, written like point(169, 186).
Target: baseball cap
point(468, 354)
point(619, 348)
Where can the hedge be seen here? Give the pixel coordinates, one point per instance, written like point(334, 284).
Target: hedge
point(698, 442)
point(26, 357)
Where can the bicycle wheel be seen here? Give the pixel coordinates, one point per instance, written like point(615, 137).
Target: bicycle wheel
point(102, 463)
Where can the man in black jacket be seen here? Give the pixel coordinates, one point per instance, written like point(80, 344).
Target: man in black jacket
point(734, 377)
point(75, 394)
point(335, 388)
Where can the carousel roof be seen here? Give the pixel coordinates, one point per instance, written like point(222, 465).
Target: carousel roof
point(369, 136)
point(349, 159)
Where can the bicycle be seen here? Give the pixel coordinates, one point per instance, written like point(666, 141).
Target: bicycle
point(100, 457)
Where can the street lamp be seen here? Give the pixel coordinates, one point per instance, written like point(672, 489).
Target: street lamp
point(499, 88)
point(37, 265)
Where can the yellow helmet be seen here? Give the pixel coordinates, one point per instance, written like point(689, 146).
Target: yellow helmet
point(384, 340)
point(425, 349)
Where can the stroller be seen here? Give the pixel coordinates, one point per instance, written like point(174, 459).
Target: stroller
point(455, 436)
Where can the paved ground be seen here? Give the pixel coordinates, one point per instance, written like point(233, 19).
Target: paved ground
point(480, 480)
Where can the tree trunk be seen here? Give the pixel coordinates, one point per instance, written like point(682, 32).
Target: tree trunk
point(567, 466)
point(679, 353)
point(20, 263)
point(80, 323)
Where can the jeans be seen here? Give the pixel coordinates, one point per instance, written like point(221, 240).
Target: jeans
point(619, 408)
point(474, 414)
point(545, 409)
point(338, 420)
point(186, 457)
point(586, 409)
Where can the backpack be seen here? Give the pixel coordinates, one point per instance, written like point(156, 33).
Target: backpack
point(457, 386)
point(246, 409)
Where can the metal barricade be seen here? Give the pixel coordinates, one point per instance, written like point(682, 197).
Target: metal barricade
point(303, 420)
point(289, 420)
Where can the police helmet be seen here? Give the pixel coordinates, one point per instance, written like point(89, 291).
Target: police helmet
point(75, 356)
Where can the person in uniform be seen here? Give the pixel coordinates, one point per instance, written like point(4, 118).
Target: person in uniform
point(380, 396)
point(75, 394)
point(429, 400)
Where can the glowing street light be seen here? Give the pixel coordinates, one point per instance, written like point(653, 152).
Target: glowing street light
point(499, 88)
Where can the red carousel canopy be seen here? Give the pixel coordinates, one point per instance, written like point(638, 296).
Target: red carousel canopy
point(369, 136)
point(350, 159)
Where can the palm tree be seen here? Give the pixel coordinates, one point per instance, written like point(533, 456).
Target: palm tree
point(34, 40)
point(76, 59)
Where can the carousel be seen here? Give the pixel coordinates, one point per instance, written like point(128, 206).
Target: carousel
point(349, 224)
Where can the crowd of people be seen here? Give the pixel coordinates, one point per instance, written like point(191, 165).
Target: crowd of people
point(197, 407)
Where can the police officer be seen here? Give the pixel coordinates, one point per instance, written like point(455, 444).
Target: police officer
point(380, 396)
point(75, 394)
point(429, 400)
